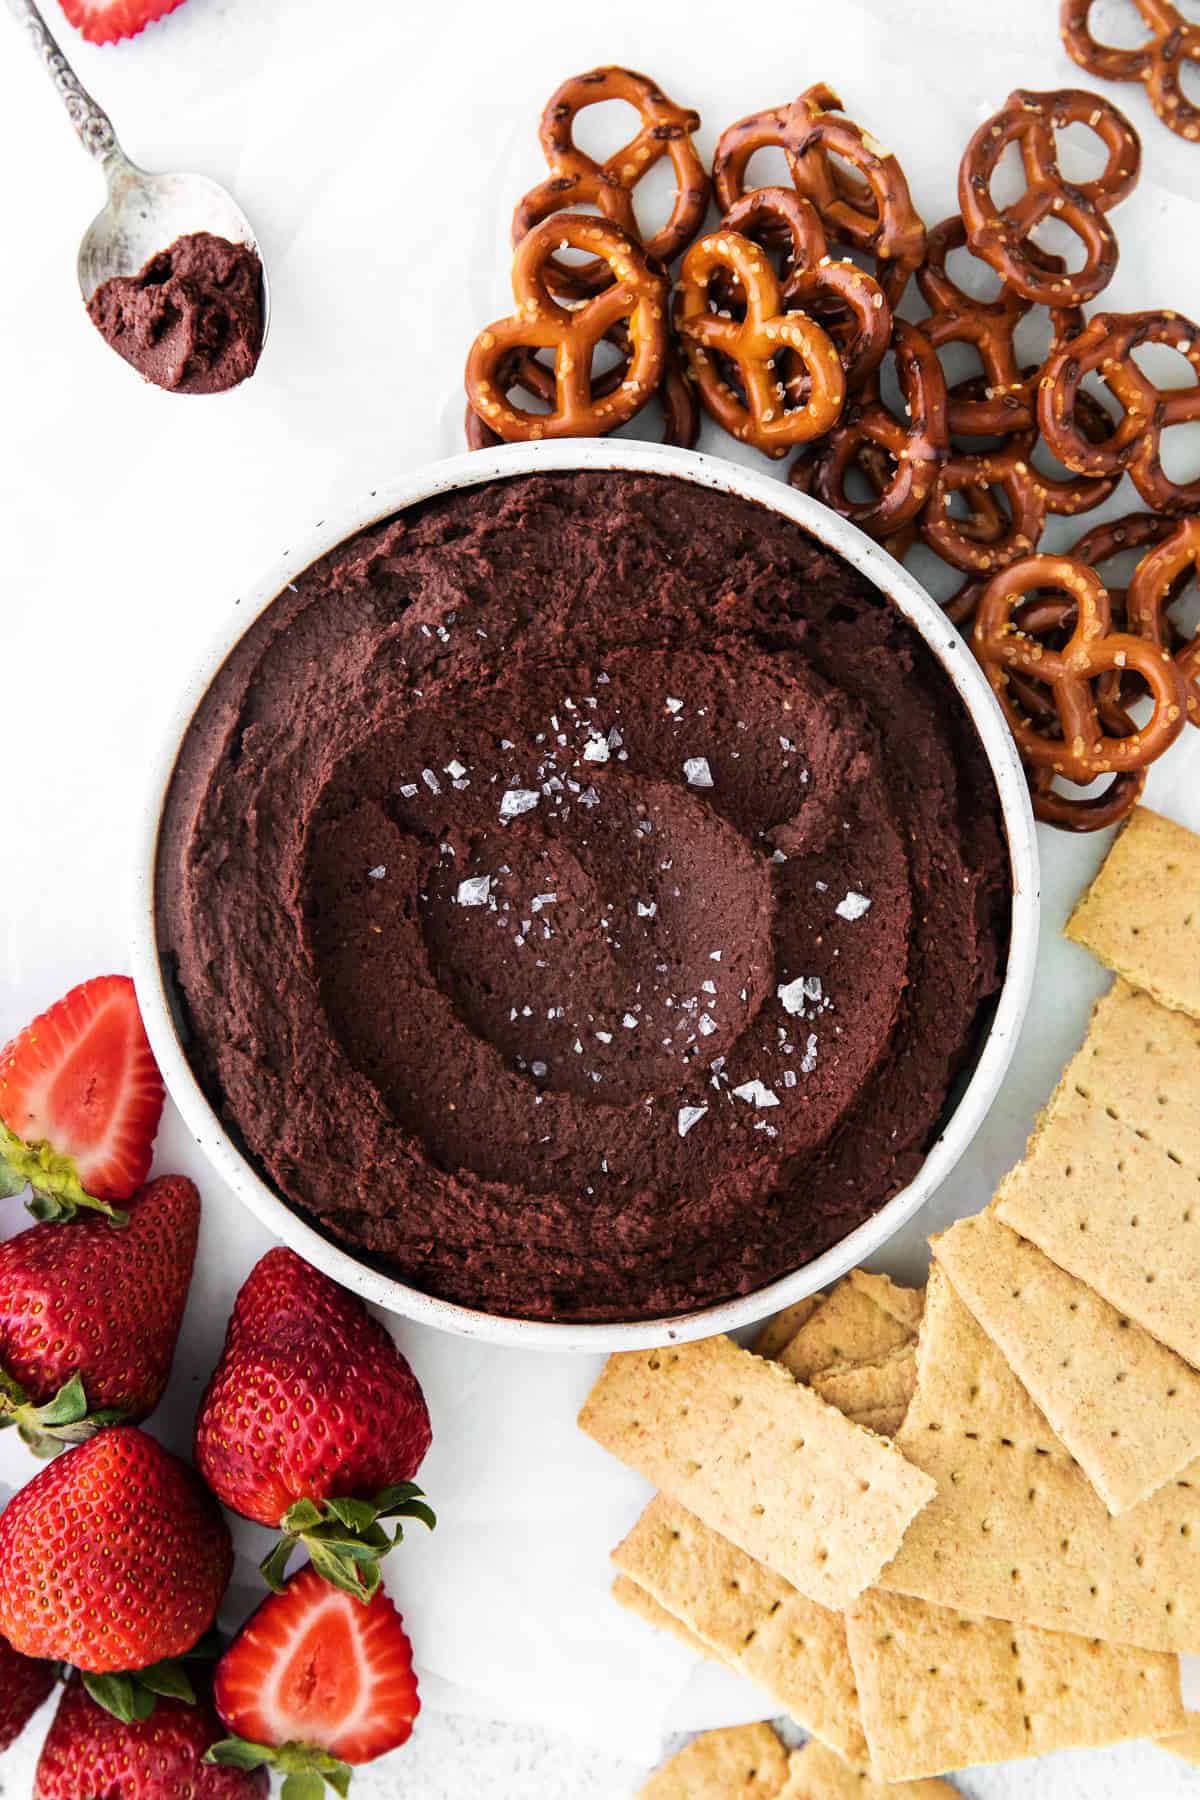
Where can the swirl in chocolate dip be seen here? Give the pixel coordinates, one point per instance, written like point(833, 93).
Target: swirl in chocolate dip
point(583, 890)
point(191, 320)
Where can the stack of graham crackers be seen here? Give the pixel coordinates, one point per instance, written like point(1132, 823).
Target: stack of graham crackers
point(1018, 1570)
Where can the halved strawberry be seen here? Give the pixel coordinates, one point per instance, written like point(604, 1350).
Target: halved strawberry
point(104, 21)
point(314, 1681)
point(80, 1101)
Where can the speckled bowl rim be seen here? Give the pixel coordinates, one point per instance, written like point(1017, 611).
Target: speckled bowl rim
point(951, 651)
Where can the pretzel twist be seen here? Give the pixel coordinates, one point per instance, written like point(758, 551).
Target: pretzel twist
point(1153, 585)
point(676, 397)
point(1007, 394)
point(874, 213)
point(870, 208)
point(1079, 812)
point(577, 180)
point(916, 450)
point(1084, 750)
point(1106, 347)
point(1002, 238)
point(1156, 63)
point(760, 415)
point(847, 302)
point(637, 299)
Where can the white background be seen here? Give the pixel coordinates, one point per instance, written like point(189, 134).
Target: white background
point(379, 149)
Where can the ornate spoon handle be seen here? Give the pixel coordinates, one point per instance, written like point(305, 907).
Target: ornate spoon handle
point(90, 121)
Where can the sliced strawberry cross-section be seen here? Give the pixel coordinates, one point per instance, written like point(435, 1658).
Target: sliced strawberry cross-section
point(315, 1681)
point(80, 1101)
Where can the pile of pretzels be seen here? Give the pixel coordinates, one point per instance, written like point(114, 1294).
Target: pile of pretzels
point(780, 325)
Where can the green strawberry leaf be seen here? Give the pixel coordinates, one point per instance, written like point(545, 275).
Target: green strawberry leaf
point(301, 1516)
point(120, 1695)
point(305, 1784)
point(239, 1753)
point(358, 1515)
point(68, 1406)
point(169, 1680)
point(273, 1566)
point(344, 1570)
point(413, 1509)
point(12, 1397)
point(11, 1179)
point(36, 1442)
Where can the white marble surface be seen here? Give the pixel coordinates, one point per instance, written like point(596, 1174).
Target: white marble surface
point(379, 150)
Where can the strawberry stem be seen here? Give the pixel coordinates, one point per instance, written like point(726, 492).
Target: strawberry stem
point(58, 1192)
point(305, 1769)
point(63, 1420)
point(345, 1538)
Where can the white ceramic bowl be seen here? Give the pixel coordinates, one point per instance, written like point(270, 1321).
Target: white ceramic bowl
point(992, 1060)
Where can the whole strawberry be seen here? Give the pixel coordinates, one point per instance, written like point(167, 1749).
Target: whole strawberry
point(112, 1558)
point(313, 1423)
point(88, 1752)
point(80, 1101)
point(24, 1684)
point(89, 1316)
point(313, 1683)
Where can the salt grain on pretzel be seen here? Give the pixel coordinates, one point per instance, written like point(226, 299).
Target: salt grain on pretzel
point(1106, 348)
point(577, 180)
point(760, 414)
point(637, 299)
point(1002, 237)
point(1157, 64)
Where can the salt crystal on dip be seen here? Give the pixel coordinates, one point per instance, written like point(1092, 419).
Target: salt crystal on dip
point(853, 906)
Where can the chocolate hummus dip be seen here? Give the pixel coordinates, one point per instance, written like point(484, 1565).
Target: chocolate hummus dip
point(192, 320)
point(583, 890)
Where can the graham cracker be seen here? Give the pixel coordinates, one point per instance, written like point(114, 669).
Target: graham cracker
point(940, 1689)
point(853, 1325)
point(884, 1421)
point(748, 1618)
point(905, 1304)
point(645, 1607)
point(1110, 1185)
point(1127, 1408)
point(762, 1459)
point(815, 1773)
point(1141, 915)
point(743, 1762)
point(1016, 1530)
point(783, 1327)
point(870, 1390)
point(1185, 1743)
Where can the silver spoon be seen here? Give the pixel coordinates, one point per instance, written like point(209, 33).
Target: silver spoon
point(145, 213)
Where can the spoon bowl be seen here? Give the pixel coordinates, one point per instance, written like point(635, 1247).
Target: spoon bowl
point(145, 212)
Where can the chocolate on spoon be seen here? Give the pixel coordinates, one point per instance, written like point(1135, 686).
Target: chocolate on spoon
point(169, 269)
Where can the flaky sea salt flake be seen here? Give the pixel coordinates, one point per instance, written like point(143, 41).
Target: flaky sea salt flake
point(514, 801)
point(474, 891)
point(853, 906)
point(697, 772)
point(689, 1116)
point(757, 1093)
